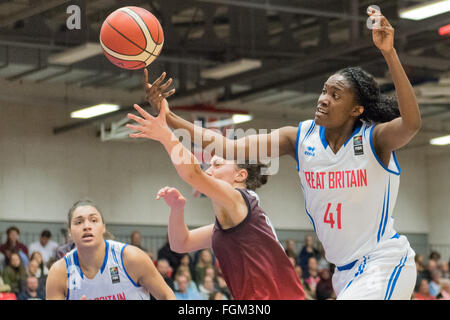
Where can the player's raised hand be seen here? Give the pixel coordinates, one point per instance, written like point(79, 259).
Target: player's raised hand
point(172, 196)
point(382, 31)
point(149, 127)
point(157, 92)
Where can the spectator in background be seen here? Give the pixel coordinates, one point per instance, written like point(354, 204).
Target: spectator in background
point(166, 271)
point(204, 261)
point(223, 288)
point(307, 252)
point(431, 267)
point(166, 253)
point(136, 240)
point(445, 290)
point(2, 262)
point(13, 245)
point(422, 291)
point(308, 293)
point(217, 295)
point(185, 271)
point(435, 283)
point(290, 248)
point(443, 266)
point(206, 287)
point(311, 275)
point(436, 256)
point(45, 246)
point(420, 267)
point(31, 291)
point(324, 288)
point(15, 273)
point(33, 271)
point(322, 263)
point(184, 292)
point(43, 269)
point(186, 261)
point(3, 286)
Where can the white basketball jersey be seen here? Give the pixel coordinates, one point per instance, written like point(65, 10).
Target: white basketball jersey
point(112, 282)
point(350, 195)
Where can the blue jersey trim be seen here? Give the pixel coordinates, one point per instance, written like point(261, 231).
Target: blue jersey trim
point(67, 267)
point(378, 159)
point(359, 272)
point(385, 212)
point(325, 142)
point(310, 218)
point(322, 137)
point(310, 130)
point(347, 266)
point(296, 144)
point(106, 257)
point(77, 263)
point(125, 270)
point(394, 277)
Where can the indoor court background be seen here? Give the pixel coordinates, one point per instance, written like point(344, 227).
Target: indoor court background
point(48, 160)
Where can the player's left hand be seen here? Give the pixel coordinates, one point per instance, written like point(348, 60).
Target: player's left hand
point(382, 31)
point(149, 127)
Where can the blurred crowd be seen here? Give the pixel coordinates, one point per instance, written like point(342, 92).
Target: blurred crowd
point(193, 276)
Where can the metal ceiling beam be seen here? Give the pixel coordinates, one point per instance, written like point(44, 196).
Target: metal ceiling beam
point(287, 9)
point(37, 8)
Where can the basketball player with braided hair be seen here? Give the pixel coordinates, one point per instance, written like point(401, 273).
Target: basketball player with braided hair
point(347, 167)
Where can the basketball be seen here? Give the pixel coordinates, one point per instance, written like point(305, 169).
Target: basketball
point(131, 38)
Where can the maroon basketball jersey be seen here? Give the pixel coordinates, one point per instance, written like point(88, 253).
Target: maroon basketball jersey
point(254, 264)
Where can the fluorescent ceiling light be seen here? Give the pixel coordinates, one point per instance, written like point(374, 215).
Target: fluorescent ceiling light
point(440, 141)
point(232, 68)
point(94, 111)
point(76, 54)
point(235, 119)
point(426, 10)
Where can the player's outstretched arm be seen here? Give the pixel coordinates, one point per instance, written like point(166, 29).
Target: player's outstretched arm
point(55, 287)
point(187, 166)
point(395, 134)
point(282, 140)
point(143, 272)
point(181, 239)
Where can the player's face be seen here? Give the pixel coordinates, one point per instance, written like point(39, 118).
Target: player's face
point(87, 227)
point(336, 104)
point(223, 169)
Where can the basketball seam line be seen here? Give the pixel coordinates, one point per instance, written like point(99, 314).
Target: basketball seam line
point(149, 32)
point(150, 53)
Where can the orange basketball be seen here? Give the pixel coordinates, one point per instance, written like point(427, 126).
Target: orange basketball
point(131, 38)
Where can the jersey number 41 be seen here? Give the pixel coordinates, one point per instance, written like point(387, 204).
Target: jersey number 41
point(328, 217)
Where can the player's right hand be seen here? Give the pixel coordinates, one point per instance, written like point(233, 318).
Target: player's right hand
point(156, 93)
point(172, 196)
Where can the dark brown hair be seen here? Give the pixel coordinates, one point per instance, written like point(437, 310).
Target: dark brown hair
point(255, 178)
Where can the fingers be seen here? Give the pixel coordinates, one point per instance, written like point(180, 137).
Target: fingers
point(135, 128)
point(166, 84)
point(168, 93)
point(145, 76)
point(137, 135)
point(136, 118)
point(162, 192)
point(142, 112)
point(159, 80)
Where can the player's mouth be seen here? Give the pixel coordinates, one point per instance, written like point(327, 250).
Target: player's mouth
point(87, 236)
point(321, 111)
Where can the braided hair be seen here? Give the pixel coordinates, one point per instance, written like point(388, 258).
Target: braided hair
point(377, 107)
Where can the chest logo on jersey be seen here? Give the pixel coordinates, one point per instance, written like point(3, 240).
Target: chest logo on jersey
point(310, 151)
point(114, 271)
point(358, 145)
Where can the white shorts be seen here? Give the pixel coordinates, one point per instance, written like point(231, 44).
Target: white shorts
point(388, 272)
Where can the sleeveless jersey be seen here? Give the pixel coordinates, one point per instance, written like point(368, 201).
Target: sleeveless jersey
point(112, 282)
point(350, 195)
point(252, 260)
